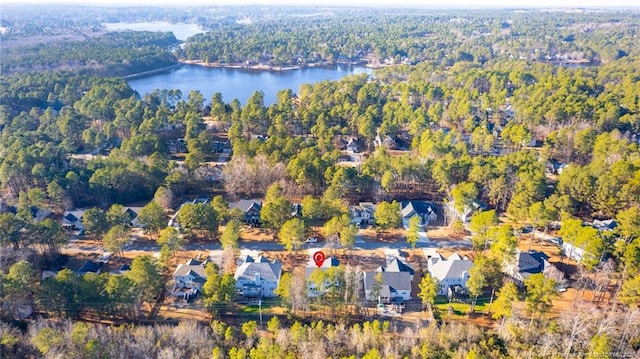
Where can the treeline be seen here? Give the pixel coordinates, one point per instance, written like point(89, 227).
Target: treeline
point(112, 54)
point(453, 119)
point(66, 294)
point(416, 36)
point(587, 334)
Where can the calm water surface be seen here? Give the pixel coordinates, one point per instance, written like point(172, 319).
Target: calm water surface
point(239, 83)
point(232, 83)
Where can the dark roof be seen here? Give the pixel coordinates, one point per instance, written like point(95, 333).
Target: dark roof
point(246, 204)
point(532, 262)
point(395, 265)
point(90, 266)
point(422, 208)
point(266, 270)
point(296, 209)
point(131, 213)
point(193, 262)
point(390, 281)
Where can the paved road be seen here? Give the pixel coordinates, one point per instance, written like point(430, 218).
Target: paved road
point(151, 247)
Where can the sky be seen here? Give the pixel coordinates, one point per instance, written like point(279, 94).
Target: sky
point(388, 3)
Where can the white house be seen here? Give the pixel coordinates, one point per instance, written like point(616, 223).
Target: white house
point(469, 211)
point(352, 146)
point(574, 252)
point(312, 289)
point(73, 219)
point(258, 277)
point(394, 286)
point(450, 271)
point(362, 214)
point(189, 278)
point(132, 213)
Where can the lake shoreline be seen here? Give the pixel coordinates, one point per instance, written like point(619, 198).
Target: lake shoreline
point(263, 67)
point(151, 72)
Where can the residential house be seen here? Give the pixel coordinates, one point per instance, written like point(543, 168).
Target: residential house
point(527, 264)
point(189, 278)
point(122, 270)
point(572, 251)
point(386, 142)
point(395, 265)
point(340, 144)
point(362, 214)
point(467, 213)
point(296, 210)
point(258, 277)
point(450, 272)
point(312, 287)
point(553, 167)
point(394, 287)
point(39, 214)
point(90, 267)
point(132, 214)
point(250, 209)
point(73, 220)
point(423, 210)
point(173, 222)
point(605, 225)
point(352, 146)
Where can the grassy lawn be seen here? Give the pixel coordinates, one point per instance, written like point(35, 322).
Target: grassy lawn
point(460, 308)
point(269, 307)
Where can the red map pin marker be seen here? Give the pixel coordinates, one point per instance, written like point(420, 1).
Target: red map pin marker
point(318, 257)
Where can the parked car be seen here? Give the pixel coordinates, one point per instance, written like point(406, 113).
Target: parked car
point(311, 240)
point(555, 240)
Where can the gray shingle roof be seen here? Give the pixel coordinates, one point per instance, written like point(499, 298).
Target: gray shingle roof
point(269, 271)
point(395, 265)
point(453, 267)
point(246, 204)
point(532, 262)
point(393, 280)
point(192, 267)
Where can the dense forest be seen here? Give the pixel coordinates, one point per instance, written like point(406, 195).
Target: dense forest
point(478, 109)
point(417, 36)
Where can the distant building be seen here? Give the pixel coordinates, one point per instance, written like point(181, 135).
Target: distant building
point(73, 219)
point(467, 213)
point(90, 267)
point(605, 225)
point(352, 146)
point(386, 142)
point(132, 214)
point(571, 251)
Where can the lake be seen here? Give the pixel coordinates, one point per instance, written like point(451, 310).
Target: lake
point(239, 83)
